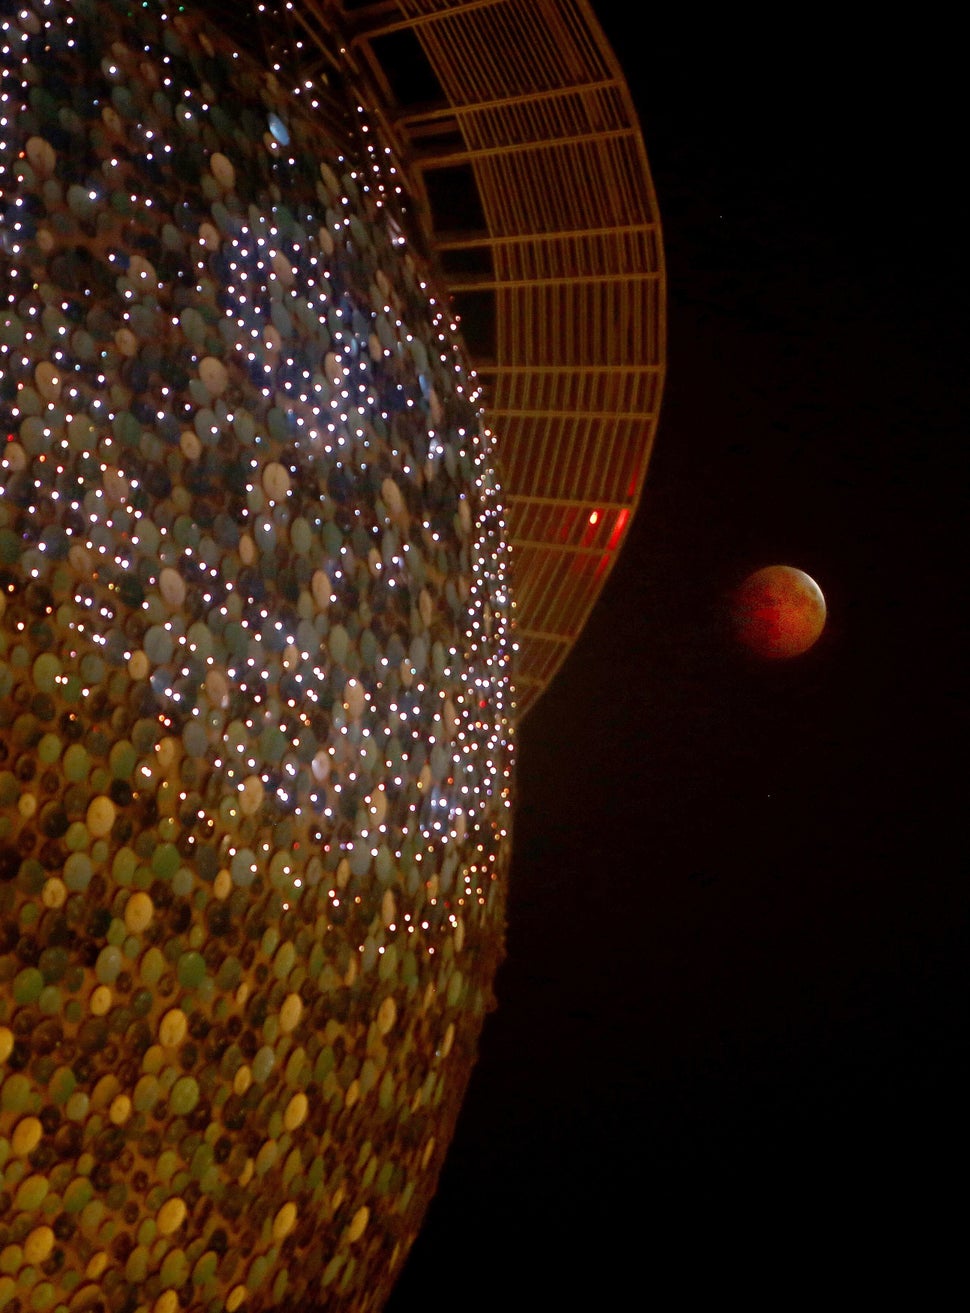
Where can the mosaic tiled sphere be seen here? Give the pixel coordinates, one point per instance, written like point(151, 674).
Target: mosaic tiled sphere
point(254, 702)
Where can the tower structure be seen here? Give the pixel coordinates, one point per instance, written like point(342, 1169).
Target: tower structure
point(255, 622)
point(555, 264)
point(527, 177)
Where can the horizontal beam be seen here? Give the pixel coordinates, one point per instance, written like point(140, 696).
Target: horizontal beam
point(573, 412)
point(567, 503)
point(451, 241)
point(487, 282)
point(440, 159)
point(434, 113)
point(364, 31)
point(574, 371)
point(536, 680)
point(542, 545)
point(545, 635)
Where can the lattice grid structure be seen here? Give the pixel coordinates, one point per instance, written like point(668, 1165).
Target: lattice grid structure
point(515, 127)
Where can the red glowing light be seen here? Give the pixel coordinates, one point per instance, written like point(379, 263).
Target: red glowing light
point(618, 528)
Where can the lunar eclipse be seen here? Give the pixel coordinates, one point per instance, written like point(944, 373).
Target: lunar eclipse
point(778, 612)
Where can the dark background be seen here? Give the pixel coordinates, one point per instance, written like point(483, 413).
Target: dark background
point(732, 1017)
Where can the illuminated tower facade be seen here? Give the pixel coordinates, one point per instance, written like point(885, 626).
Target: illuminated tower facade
point(256, 651)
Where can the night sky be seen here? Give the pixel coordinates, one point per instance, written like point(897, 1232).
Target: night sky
point(733, 1010)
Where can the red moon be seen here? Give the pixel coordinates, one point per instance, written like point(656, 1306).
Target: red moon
point(778, 611)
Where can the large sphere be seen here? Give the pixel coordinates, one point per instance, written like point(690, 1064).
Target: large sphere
point(778, 612)
point(254, 704)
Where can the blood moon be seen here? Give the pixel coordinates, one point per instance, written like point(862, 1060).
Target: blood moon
point(778, 611)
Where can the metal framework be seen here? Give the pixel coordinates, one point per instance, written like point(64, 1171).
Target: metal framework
point(522, 148)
